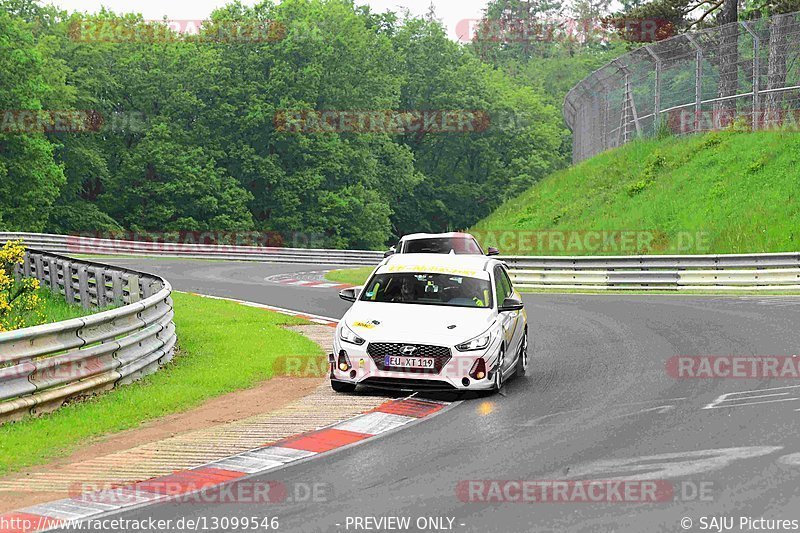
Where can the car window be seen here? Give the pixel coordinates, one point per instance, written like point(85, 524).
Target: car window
point(442, 245)
point(502, 284)
point(430, 289)
point(507, 281)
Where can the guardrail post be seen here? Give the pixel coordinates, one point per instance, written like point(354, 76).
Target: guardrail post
point(38, 269)
point(134, 292)
point(52, 274)
point(116, 286)
point(69, 287)
point(83, 286)
point(100, 285)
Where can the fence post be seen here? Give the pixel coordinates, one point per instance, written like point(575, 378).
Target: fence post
point(698, 82)
point(756, 74)
point(657, 89)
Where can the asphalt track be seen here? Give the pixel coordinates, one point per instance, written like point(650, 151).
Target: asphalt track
point(598, 399)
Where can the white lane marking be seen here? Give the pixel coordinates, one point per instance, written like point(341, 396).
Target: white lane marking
point(667, 465)
point(69, 509)
point(292, 312)
point(374, 423)
point(729, 399)
point(246, 463)
point(284, 455)
point(793, 459)
point(659, 410)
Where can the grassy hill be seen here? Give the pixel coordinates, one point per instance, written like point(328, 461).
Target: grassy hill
point(724, 192)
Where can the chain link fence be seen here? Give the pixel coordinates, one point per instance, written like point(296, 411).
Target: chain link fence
point(745, 74)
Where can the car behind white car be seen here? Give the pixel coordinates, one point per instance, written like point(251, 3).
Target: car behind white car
point(431, 322)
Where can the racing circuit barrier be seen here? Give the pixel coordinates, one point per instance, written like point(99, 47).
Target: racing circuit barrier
point(776, 271)
point(93, 246)
point(43, 366)
point(773, 272)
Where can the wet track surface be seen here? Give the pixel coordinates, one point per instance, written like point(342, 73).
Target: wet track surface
point(598, 403)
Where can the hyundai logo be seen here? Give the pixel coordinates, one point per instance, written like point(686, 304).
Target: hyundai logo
point(408, 350)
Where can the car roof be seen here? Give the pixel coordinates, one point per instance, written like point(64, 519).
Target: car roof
point(476, 263)
point(453, 234)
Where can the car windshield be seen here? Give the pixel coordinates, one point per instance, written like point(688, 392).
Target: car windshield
point(429, 289)
point(442, 245)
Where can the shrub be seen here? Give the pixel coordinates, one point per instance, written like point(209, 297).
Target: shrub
point(20, 305)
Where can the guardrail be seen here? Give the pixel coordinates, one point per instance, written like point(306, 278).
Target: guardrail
point(93, 246)
point(777, 271)
point(773, 272)
point(44, 366)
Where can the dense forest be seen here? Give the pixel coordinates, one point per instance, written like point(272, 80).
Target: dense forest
point(188, 132)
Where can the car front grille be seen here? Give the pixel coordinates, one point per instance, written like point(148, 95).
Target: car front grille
point(408, 384)
point(380, 350)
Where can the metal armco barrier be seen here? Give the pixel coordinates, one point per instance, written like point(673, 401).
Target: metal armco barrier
point(93, 246)
point(774, 272)
point(778, 271)
point(44, 366)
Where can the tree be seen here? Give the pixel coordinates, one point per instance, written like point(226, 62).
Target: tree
point(31, 80)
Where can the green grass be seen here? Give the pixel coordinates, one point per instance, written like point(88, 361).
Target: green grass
point(211, 362)
point(351, 276)
point(738, 191)
point(55, 308)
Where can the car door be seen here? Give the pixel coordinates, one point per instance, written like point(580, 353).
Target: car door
point(508, 319)
point(519, 316)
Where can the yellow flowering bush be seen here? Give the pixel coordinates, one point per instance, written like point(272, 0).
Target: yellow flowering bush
point(20, 305)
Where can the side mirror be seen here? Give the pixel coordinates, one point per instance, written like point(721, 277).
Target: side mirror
point(389, 252)
point(351, 294)
point(510, 304)
point(492, 251)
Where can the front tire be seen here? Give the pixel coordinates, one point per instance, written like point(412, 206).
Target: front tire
point(522, 357)
point(341, 386)
point(498, 373)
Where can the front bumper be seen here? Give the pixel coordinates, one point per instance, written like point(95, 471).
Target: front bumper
point(453, 376)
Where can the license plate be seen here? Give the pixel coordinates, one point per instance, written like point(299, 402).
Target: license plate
point(409, 362)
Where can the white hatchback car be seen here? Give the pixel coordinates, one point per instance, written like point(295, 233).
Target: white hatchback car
point(455, 242)
point(431, 322)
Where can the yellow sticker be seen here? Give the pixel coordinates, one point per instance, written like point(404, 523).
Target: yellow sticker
point(429, 269)
point(365, 325)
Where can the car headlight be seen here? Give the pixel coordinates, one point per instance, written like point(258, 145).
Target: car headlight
point(476, 343)
point(348, 335)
